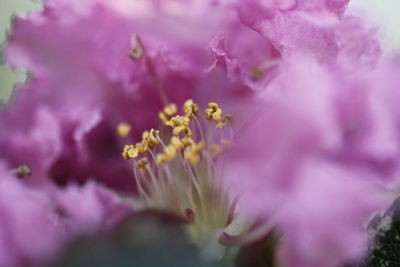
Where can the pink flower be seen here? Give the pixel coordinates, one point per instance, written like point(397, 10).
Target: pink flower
point(312, 159)
point(316, 28)
point(320, 136)
point(89, 208)
point(82, 78)
point(247, 56)
point(35, 224)
point(83, 82)
point(28, 231)
point(358, 45)
point(322, 220)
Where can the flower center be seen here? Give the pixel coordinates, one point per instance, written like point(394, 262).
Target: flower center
point(179, 169)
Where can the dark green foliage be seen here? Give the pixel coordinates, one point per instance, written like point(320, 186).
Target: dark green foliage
point(386, 251)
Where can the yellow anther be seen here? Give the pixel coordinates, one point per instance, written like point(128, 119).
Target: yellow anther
point(142, 147)
point(190, 108)
point(177, 143)
point(142, 164)
point(130, 152)
point(178, 129)
point(215, 150)
point(217, 116)
point(180, 124)
point(151, 137)
point(213, 112)
point(160, 159)
point(163, 118)
point(187, 141)
point(123, 129)
point(170, 109)
point(188, 132)
point(145, 135)
point(225, 121)
point(169, 152)
point(192, 153)
point(212, 107)
point(182, 129)
point(178, 121)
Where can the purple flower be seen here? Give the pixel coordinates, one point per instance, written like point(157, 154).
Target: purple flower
point(83, 83)
point(87, 84)
point(247, 56)
point(322, 217)
point(358, 45)
point(28, 231)
point(36, 223)
point(312, 159)
point(89, 208)
point(316, 113)
point(316, 28)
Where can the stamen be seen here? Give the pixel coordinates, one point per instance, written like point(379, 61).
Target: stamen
point(215, 150)
point(214, 113)
point(151, 137)
point(21, 171)
point(257, 74)
point(193, 152)
point(142, 164)
point(123, 129)
point(139, 50)
point(200, 129)
point(225, 121)
point(178, 121)
point(136, 51)
point(181, 174)
point(169, 111)
point(190, 108)
point(130, 152)
point(170, 151)
point(177, 143)
point(142, 147)
point(153, 180)
point(142, 193)
point(187, 141)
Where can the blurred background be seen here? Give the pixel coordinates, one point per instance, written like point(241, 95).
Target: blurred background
point(8, 8)
point(382, 13)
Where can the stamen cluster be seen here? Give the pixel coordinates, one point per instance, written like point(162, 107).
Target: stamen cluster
point(182, 134)
point(181, 175)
